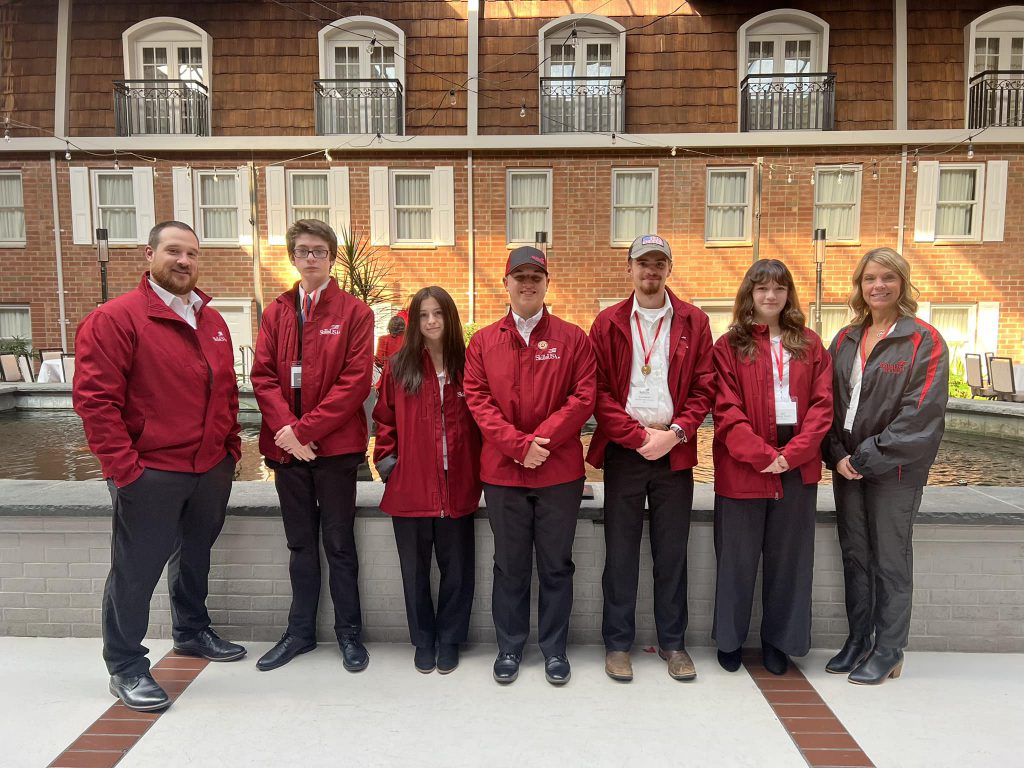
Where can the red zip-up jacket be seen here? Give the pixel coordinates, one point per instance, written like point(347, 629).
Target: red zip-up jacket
point(409, 427)
point(517, 392)
point(690, 376)
point(152, 392)
point(337, 361)
point(745, 431)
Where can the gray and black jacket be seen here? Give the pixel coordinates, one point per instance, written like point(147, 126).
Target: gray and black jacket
point(901, 415)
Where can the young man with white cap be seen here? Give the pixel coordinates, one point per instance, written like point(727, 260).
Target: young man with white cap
point(530, 384)
point(654, 388)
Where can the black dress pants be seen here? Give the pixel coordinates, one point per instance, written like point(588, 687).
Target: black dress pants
point(876, 534)
point(317, 497)
point(630, 480)
point(452, 540)
point(524, 520)
point(780, 533)
point(163, 518)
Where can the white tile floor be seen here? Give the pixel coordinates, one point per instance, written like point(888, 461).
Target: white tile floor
point(947, 710)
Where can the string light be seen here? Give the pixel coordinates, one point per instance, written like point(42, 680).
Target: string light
point(874, 172)
point(522, 110)
point(452, 99)
point(812, 178)
point(839, 180)
point(613, 138)
point(117, 163)
point(67, 151)
point(7, 128)
point(789, 178)
point(913, 167)
point(673, 152)
point(380, 139)
point(215, 178)
point(770, 169)
point(373, 42)
point(327, 156)
point(970, 150)
point(574, 38)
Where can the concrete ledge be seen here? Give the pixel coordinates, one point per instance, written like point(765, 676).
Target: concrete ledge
point(992, 418)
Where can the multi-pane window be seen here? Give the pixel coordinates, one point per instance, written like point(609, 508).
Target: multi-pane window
point(412, 207)
point(834, 317)
point(529, 205)
point(217, 201)
point(728, 205)
point(719, 312)
point(12, 209)
point(956, 323)
point(634, 196)
point(837, 202)
point(115, 205)
point(15, 322)
point(309, 196)
point(958, 209)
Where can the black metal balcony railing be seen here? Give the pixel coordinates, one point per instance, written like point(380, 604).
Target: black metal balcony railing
point(571, 104)
point(161, 107)
point(788, 102)
point(997, 99)
point(373, 105)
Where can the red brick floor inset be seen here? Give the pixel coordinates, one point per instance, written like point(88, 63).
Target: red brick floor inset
point(117, 730)
point(822, 740)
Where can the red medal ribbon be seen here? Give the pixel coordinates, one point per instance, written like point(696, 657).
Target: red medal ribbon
point(643, 345)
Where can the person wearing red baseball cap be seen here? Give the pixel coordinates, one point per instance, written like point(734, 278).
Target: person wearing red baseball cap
point(530, 383)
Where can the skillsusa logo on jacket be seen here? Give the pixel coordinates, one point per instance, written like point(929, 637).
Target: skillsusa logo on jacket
point(898, 367)
point(220, 337)
point(334, 330)
point(548, 354)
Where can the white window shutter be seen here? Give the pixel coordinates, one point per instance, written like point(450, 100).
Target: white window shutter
point(988, 327)
point(443, 209)
point(380, 215)
point(181, 179)
point(995, 201)
point(81, 210)
point(244, 206)
point(924, 311)
point(145, 213)
point(337, 199)
point(277, 216)
point(927, 199)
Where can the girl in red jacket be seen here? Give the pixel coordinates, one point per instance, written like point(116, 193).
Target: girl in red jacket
point(773, 407)
point(428, 452)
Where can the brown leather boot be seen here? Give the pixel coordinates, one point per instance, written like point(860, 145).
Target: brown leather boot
point(680, 665)
point(618, 666)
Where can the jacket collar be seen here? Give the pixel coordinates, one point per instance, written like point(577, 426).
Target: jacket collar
point(330, 292)
point(622, 316)
point(508, 323)
point(155, 306)
point(905, 326)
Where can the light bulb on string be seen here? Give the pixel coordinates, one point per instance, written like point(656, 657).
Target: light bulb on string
point(913, 166)
point(452, 99)
point(770, 169)
point(874, 173)
point(117, 162)
point(327, 156)
point(613, 138)
point(522, 110)
point(673, 152)
point(373, 42)
point(67, 151)
point(839, 179)
point(574, 38)
point(812, 178)
point(789, 178)
point(215, 178)
point(970, 150)
point(7, 128)
point(380, 139)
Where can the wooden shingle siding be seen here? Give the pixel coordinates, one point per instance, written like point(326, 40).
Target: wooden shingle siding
point(28, 66)
point(265, 59)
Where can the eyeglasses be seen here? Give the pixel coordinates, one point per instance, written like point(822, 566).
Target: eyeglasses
point(318, 253)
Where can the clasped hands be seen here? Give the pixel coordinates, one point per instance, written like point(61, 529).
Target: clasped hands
point(285, 439)
point(777, 467)
point(657, 443)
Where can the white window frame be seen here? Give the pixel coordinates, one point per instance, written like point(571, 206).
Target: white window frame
point(850, 172)
point(509, 174)
point(393, 196)
point(747, 235)
point(957, 347)
point(978, 203)
point(291, 176)
point(10, 243)
point(200, 227)
point(589, 28)
point(616, 172)
point(826, 307)
point(716, 305)
point(1005, 23)
point(27, 309)
point(96, 209)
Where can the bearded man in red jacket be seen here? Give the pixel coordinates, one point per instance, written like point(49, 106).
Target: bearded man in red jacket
point(311, 375)
point(155, 387)
point(654, 388)
point(530, 385)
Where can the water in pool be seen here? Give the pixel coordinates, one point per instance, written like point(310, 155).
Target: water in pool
point(50, 445)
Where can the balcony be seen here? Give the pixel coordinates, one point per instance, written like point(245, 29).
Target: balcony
point(582, 104)
point(996, 99)
point(374, 105)
point(161, 108)
point(788, 102)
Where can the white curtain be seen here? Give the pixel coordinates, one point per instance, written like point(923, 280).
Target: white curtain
point(412, 203)
point(955, 212)
point(528, 206)
point(12, 210)
point(953, 323)
point(634, 200)
point(15, 321)
point(835, 207)
point(309, 197)
point(220, 210)
point(116, 205)
point(727, 205)
point(720, 319)
point(833, 320)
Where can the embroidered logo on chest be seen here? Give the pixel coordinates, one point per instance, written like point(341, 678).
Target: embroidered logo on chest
point(220, 337)
point(334, 330)
point(898, 367)
point(549, 354)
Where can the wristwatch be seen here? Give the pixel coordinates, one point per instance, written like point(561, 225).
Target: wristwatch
point(679, 432)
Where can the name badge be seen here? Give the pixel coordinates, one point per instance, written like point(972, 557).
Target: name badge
point(643, 397)
point(296, 376)
point(785, 412)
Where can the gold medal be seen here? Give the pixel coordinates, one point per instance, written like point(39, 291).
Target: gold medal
point(542, 345)
point(645, 369)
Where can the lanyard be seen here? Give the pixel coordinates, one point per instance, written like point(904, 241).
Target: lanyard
point(780, 361)
point(646, 368)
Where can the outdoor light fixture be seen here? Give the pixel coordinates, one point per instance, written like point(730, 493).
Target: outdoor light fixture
point(540, 241)
point(819, 263)
point(102, 256)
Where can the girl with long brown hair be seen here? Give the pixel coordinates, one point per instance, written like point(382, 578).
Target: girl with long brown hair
point(772, 409)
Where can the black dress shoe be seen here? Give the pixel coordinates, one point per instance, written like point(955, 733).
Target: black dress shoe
point(447, 657)
point(287, 648)
point(730, 660)
point(854, 651)
point(506, 667)
point(775, 661)
point(353, 654)
point(207, 644)
point(424, 660)
point(556, 670)
point(879, 666)
point(139, 692)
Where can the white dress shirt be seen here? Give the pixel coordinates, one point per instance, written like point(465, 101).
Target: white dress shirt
point(856, 379)
point(649, 400)
point(525, 325)
point(316, 294)
point(185, 310)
